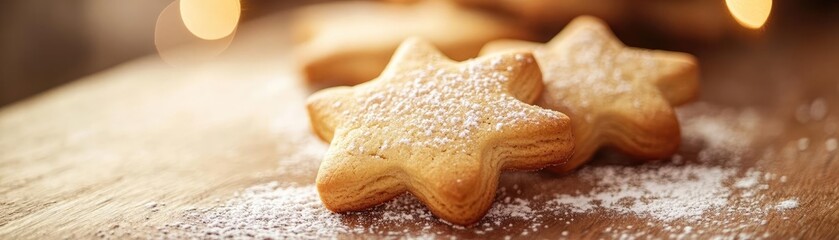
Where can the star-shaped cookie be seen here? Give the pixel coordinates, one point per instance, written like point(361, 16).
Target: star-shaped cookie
point(348, 43)
point(616, 96)
point(439, 129)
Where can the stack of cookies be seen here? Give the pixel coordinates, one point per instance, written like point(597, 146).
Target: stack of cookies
point(456, 104)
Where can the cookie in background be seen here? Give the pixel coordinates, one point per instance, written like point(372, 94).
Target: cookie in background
point(348, 43)
point(616, 96)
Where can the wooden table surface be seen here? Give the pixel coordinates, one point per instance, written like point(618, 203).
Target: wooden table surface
point(131, 150)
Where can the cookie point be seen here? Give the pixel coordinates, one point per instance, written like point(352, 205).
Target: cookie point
point(590, 23)
point(587, 19)
point(413, 40)
point(415, 43)
point(686, 59)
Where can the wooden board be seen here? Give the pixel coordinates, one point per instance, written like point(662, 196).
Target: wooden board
point(127, 151)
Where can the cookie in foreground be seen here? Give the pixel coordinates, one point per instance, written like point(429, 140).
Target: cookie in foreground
point(439, 129)
point(616, 96)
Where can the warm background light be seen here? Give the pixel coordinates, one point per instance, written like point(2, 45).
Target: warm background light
point(178, 46)
point(210, 19)
point(750, 13)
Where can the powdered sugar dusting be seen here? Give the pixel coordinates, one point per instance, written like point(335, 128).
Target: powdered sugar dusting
point(725, 133)
point(665, 193)
point(803, 144)
point(788, 204)
point(440, 105)
point(290, 210)
point(685, 197)
point(680, 197)
point(271, 211)
point(831, 144)
point(750, 181)
point(817, 110)
point(589, 69)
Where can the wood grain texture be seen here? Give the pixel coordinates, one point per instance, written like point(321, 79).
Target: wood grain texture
point(94, 154)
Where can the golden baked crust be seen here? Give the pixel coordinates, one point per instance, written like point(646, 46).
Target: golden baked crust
point(351, 42)
point(615, 95)
point(439, 129)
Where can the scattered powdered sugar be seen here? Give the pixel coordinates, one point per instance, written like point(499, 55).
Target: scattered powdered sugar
point(677, 197)
point(673, 201)
point(803, 144)
point(749, 181)
point(831, 144)
point(151, 205)
point(787, 204)
point(724, 133)
point(815, 111)
point(288, 211)
point(271, 211)
point(818, 109)
point(685, 197)
point(154, 206)
point(665, 193)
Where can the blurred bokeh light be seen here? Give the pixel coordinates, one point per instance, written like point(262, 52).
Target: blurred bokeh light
point(750, 13)
point(210, 19)
point(172, 36)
